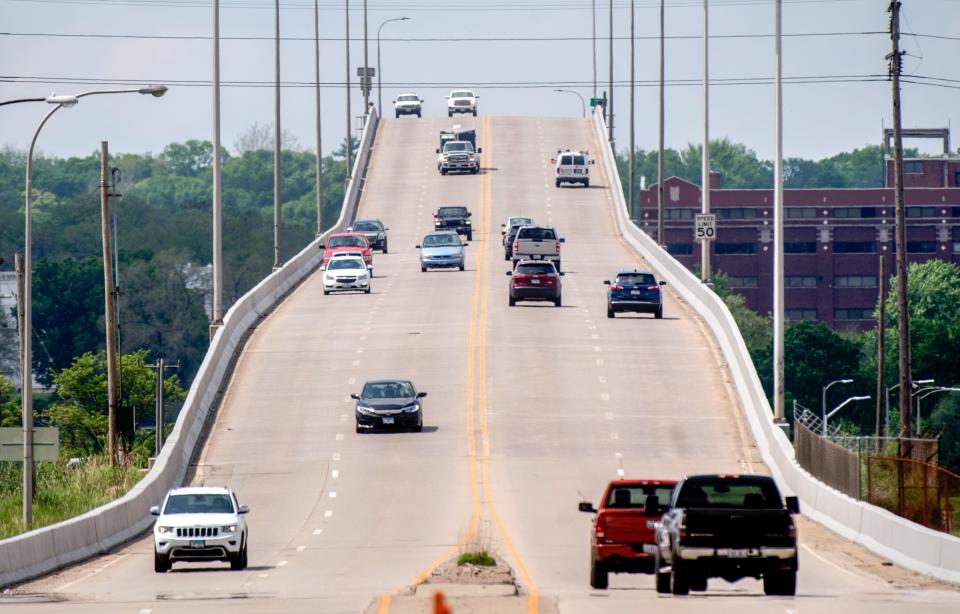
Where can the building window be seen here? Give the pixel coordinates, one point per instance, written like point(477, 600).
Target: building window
point(921, 247)
point(806, 247)
point(921, 212)
point(680, 249)
point(800, 281)
point(847, 212)
point(736, 213)
point(797, 213)
point(743, 282)
point(795, 315)
point(735, 248)
point(854, 247)
point(678, 214)
point(855, 281)
point(853, 313)
point(956, 179)
point(956, 247)
point(913, 167)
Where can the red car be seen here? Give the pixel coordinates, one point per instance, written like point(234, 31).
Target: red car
point(347, 243)
point(535, 280)
point(623, 535)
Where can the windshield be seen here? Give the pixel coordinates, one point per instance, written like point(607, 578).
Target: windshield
point(443, 240)
point(729, 493)
point(536, 269)
point(347, 242)
point(457, 146)
point(198, 504)
point(636, 496)
point(408, 97)
point(367, 226)
point(387, 390)
point(346, 263)
point(537, 234)
point(636, 279)
point(519, 221)
point(452, 212)
point(462, 94)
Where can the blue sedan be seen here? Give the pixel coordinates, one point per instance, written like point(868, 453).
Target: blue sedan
point(441, 250)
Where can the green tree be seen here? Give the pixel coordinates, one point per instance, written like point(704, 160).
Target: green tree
point(9, 407)
point(190, 159)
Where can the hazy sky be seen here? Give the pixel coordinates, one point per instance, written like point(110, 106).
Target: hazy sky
point(820, 118)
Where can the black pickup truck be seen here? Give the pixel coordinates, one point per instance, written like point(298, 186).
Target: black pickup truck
point(730, 527)
point(453, 217)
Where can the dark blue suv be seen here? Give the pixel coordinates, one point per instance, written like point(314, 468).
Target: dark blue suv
point(634, 290)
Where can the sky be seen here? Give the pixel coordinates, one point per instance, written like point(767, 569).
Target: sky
point(825, 40)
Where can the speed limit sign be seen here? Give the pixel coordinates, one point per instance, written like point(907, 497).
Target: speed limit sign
point(706, 226)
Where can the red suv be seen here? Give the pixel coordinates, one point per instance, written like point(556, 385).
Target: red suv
point(623, 539)
point(348, 243)
point(535, 280)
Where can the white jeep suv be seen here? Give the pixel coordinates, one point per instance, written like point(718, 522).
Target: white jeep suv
point(461, 101)
point(408, 104)
point(200, 523)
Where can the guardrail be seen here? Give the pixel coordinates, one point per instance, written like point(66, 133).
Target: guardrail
point(905, 543)
point(48, 548)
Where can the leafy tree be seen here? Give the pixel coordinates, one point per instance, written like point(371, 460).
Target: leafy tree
point(260, 137)
point(190, 159)
point(10, 414)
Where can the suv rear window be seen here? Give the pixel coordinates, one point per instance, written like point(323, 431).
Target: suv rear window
point(536, 269)
point(636, 279)
point(636, 496)
point(452, 212)
point(537, 234)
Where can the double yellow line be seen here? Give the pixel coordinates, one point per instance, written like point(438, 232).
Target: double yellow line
point(477, 393)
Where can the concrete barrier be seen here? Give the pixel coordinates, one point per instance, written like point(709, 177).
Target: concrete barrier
point(906, 543)
point(43, 550)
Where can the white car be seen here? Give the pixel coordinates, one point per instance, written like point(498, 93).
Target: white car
point(573, 167)
point(197, 524)
point(345, 273)
point(461, 101)
point(408, 104)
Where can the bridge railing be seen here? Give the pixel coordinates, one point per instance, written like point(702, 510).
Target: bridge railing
point(906, 543)
point(48, 548)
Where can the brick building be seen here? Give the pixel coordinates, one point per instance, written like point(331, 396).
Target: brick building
point(833, 238)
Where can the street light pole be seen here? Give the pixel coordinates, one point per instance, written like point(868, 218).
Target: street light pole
point(583, 105)
point(631, 208)
point(823, 397)
point(379, 72)
point(364, 81)
point(593, 21)
point(661, 240)
point(779, 394)
point(109, 308)
point(838, 408)
point(316, 63)
point(886, 420)
point(929, 391)
point(705, 173)
point(276, 136)
point(346, 37)
point(216, 319)
point(610, 104)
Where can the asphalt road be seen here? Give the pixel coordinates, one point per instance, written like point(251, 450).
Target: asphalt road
point(529, 408)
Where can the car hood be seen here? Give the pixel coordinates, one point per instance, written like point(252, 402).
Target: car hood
point(408, 103)
point(388, 403)
point(197, 520)
point(446, 250)
point(339, 250)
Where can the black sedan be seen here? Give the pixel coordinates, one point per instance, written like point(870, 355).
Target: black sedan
point(389, 403)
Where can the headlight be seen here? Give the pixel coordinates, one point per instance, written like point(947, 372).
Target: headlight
point(468, 221)
point(165, 529)
point(412, 408)
point(362, 277)
point(363, 409)
point(230, 528)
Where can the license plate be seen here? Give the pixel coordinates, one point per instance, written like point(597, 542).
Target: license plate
point(197, 543)
point(649, 548)
point(577, 171)
point(537, 256)
point(736, 553)
point(635, 292)
point(535, 281)
point(388, 419)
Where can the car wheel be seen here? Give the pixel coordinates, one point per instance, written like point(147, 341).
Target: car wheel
point(513, 301)
point(506, 256)
point(359, 430)
point(698, 584)
point(418, 114)
point(161, 562)
point(474, 112)
point(611, 313)
point(679, 579)
point(470, 236)
point(449, 113)
point(367, 290)
point(462, 267)
point(659, 314)
point(443, 171)
point(558, 302)
point(586, 183)
point(780, 583)
point(398, 115)
point(326, 292)
point(474, 171)
point(599, 576)
point(662, 577)
point(384, 246)
point(236, 560)
point(423, 269)
point(557, 182)
point(418, 427)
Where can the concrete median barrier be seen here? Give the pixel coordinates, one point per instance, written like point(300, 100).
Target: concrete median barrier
point(908, 544)
point(43, 550)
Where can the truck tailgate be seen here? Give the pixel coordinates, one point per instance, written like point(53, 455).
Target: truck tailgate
point(740, 528)
point(627, 526)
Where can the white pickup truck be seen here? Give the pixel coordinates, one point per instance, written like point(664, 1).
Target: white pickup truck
point(537, 243)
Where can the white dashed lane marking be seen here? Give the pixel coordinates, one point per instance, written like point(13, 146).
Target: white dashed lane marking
point(328, 514)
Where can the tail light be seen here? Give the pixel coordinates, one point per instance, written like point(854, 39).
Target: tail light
point(616, 287)
point(558, 247)
point(654, 288)
point(793, 531)
point(516, 246)
point(558, 170)
point(682, 527)
point(600, 527)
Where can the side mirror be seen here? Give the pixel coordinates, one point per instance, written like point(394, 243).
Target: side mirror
point(651, 506)
point(154, 510)
point(663, 283)
point(553, 160)
point(793, 505)
point(592, 162)
point(417, 246)
point(438, 151)
point(586, 506)
point(322, 246)
point(561, 273)
point(606, 282)
point(369, 267)
point(469, 214)
point(394, 101)
point(509, 272)
point(385, 229)
point(355, 396)
point(323, 268)
point(244, 509)
point(420, 395)
point(563, 240)
point(477, 96)
point(479, 150)
point(349, 228)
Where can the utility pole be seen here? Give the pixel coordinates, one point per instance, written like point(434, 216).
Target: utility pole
point(276, 136)
point(216, 319)
point(705, 177)
point(28, 470)
point(108, 310)
point(160, 366)
point(349, 134)
point(881, 346)
point(630, 158)
point(610, 107)
point(316, 58)
point(895, 59)
point(779, 392)
point(593, 21)
point(661, 240)
point(365, 79)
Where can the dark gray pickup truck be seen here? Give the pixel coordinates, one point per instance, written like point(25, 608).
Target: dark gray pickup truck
point(730, 527)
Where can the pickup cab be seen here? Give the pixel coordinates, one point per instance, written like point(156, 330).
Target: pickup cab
point(623, 534)
point(537, 243)
point(730, 527)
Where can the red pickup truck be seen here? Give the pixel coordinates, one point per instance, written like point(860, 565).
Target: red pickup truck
point(623, 528)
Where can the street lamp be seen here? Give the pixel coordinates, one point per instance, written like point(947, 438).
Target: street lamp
point(929, 391)
point(886, 401)
point(26, 368)
point(379, 73)
point(583, 105)
point(838, 408)
point(823, 397)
